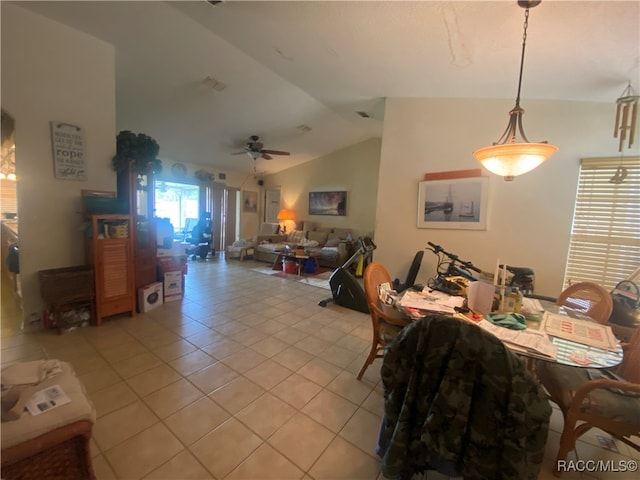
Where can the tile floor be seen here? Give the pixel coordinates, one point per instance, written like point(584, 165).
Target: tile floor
point(245, 378)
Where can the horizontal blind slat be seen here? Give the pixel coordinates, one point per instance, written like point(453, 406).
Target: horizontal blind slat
point(605, 236)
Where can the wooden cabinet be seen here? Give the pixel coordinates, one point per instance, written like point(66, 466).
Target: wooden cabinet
point(109, 249)
point(138, 191)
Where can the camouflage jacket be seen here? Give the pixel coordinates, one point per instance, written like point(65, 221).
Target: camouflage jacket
point(455, 396)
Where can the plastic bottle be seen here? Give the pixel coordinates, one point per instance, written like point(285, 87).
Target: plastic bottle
point(516, 295)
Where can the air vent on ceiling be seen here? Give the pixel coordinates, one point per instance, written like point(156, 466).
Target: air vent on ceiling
point(364, 114)
point(213, 2)
point(304, 128)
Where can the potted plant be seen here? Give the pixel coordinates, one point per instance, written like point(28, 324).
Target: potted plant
point(140, 149)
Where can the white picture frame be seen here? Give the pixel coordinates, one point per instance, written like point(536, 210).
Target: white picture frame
point(458, 204)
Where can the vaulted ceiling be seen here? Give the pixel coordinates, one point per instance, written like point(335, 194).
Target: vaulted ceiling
point(202, 78)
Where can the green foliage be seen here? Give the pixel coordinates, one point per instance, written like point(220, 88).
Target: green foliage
point(141, 149)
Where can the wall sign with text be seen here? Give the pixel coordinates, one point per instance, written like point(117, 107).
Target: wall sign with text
point(67, 142)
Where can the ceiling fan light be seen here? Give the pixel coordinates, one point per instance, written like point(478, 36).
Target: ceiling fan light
point(254, 155)
point(513, 159)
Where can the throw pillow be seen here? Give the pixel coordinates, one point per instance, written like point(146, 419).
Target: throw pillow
point(306, 226)
point(296, 236)
point(343, 233)
point(320, 237)
point(269, 229)
point(333, 240)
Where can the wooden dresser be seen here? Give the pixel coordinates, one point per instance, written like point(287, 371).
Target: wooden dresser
point(110, 250)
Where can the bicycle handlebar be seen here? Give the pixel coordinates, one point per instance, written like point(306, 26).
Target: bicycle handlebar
point(466, 265)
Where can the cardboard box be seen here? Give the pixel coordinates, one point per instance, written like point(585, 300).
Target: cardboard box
point(172, 284)
point(150, 297)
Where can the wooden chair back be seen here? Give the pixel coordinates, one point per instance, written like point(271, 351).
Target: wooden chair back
point(589, 299)
point(385, 325)
point(374, 275)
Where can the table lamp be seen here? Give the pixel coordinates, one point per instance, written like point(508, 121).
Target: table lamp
point(284, 215)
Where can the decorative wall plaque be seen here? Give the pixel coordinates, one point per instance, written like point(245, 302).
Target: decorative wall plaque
point(67, 142)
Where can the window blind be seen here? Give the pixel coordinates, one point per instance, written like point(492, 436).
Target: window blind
point(605, 237)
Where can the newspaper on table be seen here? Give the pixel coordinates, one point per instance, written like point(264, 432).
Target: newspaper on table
point(46, 399)
point(580, 331)
point(434, 301)
point(530, 342)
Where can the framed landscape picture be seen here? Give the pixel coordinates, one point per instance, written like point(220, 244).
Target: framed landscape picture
point(250, 201)
point(459, 204)
point(328, 203)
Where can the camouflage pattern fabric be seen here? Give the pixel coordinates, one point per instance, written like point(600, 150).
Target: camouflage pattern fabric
point(455, 396)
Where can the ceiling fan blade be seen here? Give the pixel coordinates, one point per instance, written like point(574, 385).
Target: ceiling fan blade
point(266, 156)
point(276, 152)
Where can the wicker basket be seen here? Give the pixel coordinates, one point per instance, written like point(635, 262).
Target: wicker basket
point(62, 454)
point(65, 285)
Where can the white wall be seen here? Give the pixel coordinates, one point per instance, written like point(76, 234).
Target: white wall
point(529, 218)
point(51, 72)
point(354, 169)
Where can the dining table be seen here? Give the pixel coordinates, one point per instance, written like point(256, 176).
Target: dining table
point(551, 333)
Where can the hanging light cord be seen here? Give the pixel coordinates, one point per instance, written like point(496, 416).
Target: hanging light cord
point(524, 44)
point(515, 115)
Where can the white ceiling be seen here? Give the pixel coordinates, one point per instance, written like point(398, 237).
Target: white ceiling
point(292, 63)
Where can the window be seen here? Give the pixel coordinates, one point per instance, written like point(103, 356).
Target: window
point(605, 239)
point(178, 202)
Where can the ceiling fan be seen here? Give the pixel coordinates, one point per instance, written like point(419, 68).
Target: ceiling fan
point(254, 149)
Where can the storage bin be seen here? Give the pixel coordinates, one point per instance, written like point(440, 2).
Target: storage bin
point(288, 266)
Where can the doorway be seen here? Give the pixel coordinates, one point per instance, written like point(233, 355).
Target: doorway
point(271, 205)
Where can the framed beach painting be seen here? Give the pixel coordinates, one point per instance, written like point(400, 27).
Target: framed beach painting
point(328, 203)
point(459, 204)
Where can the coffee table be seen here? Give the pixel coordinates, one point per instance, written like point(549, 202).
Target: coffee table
point(299, 259)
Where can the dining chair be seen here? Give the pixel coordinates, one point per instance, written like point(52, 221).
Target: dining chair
point(457, 400)
point(589, 299)
point(591, 398)
point(386, 324)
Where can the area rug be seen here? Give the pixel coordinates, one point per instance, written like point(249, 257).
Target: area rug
point(266, 270)
point(320, 279)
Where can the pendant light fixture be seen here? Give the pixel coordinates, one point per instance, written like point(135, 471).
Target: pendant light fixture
point(507, 157)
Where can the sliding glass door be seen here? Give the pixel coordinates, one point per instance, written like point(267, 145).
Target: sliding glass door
point(180, 203)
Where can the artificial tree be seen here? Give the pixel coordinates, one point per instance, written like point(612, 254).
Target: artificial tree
point(140, 149)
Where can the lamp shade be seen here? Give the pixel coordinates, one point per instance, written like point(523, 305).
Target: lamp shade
point(512, 159)
point(286, 214)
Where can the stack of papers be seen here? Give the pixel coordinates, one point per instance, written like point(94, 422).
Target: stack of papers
point(46, 399)
point(530, 342)
point(434, 301)
point(580, 331)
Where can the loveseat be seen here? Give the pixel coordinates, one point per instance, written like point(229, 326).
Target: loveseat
point(335, 245)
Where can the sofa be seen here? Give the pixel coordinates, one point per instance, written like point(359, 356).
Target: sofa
point(335, 245)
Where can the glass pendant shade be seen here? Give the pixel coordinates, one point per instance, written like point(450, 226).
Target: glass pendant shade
point(512, 159)
point(506, 157)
